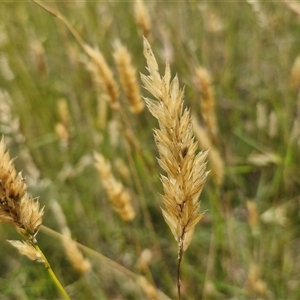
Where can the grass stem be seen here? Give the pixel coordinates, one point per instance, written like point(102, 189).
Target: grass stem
point(180, 255)
point(52, 274)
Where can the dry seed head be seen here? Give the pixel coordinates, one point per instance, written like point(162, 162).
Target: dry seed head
point(128, 78)
point(204, 83)
point(142, 18)
point(63, 112)
point(62, 133)
point(186, 173)
point(27, 249)
point(253, 220)
point(103, 76)
point(16, 207)
point(117, 193)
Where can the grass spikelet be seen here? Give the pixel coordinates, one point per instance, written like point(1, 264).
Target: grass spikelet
point(16, 207)
point(186, 173)
point(63, 112)
point(117, 193)
point(103, 76)
point(142, 18)
point(204, 84)
point(127, 73)
point(295, 73)
point(27, 249)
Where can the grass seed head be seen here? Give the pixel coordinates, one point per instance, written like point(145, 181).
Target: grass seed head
point(128, 78)
point(186, 171)
point(117, 193)
point(16, 207)
point(103, 76)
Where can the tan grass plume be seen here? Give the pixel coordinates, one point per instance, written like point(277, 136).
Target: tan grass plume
point(117, 193)
point(103, 76)
point(142, 18)
point(16, 206)
point(185, 170)
point(127, 73)
point(203, 82)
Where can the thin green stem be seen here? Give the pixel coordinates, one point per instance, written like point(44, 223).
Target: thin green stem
point(52, 274)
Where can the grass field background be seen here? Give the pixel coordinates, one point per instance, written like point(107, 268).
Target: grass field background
point(247, 244)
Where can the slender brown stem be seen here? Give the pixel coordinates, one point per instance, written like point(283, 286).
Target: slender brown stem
point(180, 255)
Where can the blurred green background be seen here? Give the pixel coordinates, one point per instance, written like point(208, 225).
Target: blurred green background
point(247, 245)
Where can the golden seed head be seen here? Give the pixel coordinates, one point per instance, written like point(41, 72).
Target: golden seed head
point(117, 193)
point(296, 73)
point(128, 78)
point(142, 18)
point(203, 82)
point(16, 207)
point(103, 76)
point(27, 249)
point(185, 170)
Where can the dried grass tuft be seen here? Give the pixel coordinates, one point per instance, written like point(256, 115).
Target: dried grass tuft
point(128, 78)
point(142, 18)
point(117, 193)
point(16, 206)
point(103, 76)
point(186, 171)
point(203, 82)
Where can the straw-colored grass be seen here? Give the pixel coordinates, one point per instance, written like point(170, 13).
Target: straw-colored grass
point(55, 114)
